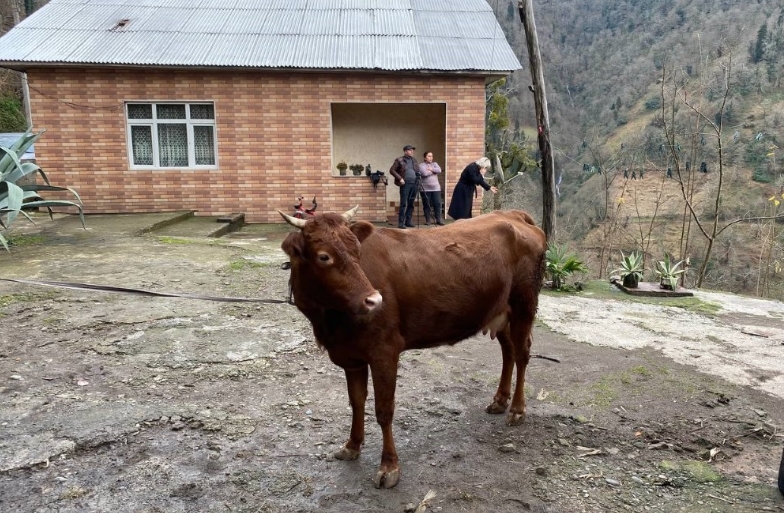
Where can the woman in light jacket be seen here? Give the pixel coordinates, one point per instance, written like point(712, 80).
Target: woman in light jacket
point(431, 189)
point(463, 197)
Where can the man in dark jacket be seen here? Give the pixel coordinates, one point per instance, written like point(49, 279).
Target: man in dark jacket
point(405, 171)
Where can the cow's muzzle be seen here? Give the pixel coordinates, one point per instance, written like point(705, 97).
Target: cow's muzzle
point(372, 303)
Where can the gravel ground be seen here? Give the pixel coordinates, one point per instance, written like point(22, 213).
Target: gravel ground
point(114, 402)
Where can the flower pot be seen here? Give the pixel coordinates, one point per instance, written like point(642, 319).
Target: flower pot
point(342, 172)
point(357, 172)
point(631, 281)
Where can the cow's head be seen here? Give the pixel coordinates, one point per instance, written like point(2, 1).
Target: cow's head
point(325, 270)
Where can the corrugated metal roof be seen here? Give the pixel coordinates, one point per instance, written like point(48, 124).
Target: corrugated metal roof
point(431, 35)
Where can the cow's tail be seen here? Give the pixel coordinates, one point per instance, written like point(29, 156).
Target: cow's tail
point(542, 269)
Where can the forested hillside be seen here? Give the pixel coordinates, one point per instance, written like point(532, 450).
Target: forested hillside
point(643, 87)
point(603, 58)
point(12, 117)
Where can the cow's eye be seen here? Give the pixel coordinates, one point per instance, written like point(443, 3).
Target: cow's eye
point(324, 258)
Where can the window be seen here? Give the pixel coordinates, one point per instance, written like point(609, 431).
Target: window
point(164, 135)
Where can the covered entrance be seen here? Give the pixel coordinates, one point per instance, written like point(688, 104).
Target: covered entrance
point(375, 133)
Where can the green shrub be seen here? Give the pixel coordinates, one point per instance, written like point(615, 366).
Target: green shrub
point(12, 118)
point(653, 103)
point(761, 175)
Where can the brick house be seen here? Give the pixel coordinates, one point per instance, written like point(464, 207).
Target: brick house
point(223, 106)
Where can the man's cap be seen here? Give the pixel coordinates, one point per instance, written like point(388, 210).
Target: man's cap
point(408, 147)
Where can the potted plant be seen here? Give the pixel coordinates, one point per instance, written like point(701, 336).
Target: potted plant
point(560, 264)
point(342, 166)
point(668, 273)
point(630, 269)
point(357, 169)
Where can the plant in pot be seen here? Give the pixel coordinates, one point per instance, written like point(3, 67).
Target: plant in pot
point(669, 273)
point(630, 269)
point(357, 169)
point(560, 264)
point(342, 166)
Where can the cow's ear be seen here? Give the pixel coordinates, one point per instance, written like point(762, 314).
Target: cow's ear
point(362, 230)
point(293, 244)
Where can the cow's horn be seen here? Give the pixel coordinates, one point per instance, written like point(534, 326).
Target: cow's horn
point(293, 221)
point(348, 215)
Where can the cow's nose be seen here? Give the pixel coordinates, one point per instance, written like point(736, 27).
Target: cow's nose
point(373, 301)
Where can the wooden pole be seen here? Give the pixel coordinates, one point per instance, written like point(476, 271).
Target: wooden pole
point(526, 10)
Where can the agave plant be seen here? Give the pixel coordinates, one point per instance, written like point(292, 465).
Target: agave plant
point(14, 198)
point(668, 272)
point(630, 269)
point(561, 264)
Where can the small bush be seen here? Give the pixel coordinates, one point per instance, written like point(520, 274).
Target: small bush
point(761, 176)
point(561, 264)
point(653, 103)
point(12, 118)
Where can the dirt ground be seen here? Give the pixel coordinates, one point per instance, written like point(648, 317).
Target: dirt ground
point(125, 403)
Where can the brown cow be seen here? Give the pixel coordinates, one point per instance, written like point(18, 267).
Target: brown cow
point(372, 293)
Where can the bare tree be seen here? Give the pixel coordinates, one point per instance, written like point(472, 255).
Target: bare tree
point(707, 225)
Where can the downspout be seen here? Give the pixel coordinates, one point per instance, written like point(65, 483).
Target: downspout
point(26, 101)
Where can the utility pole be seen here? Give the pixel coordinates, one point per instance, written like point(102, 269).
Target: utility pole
point(526, 10)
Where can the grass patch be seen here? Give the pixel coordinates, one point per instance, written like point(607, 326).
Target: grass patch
point(633, 381)
point(635, 374)
point(240, 265)
point(25, 298)
point(604, 391)
point(25, 240)
point(641, 370)
point(698, 471)
point(174, 240)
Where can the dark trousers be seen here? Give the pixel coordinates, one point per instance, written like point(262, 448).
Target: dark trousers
point(431, 200)
point(407, 197)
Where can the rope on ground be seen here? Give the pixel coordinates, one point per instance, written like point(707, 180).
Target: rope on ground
point(125, 290)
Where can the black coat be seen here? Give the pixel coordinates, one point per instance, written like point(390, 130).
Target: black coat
point(463, 197)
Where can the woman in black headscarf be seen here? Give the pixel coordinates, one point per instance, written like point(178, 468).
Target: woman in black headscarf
point(463, 196)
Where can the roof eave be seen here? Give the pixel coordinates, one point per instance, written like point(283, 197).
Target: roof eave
point(22, 67)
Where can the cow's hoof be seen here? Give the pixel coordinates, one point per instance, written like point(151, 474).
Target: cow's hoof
point(495, 408)
point(387, 479)
point(346, 454)
point(515, 419)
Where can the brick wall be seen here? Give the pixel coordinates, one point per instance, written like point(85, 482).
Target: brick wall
point(273, 130)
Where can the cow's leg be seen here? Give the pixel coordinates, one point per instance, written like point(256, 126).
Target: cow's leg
point(501, 399)
point(522, 338)
point(384, 373)
point(356, 381)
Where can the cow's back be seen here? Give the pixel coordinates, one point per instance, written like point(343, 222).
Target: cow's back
point(443, 285)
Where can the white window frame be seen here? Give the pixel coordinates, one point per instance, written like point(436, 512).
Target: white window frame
point(153, 124)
